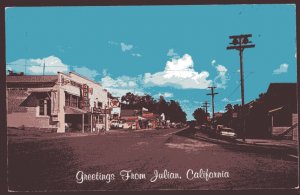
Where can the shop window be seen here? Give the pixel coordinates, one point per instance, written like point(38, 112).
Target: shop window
point(72, 100)
point(67, 99)
point(100, 119)
point(44, 107)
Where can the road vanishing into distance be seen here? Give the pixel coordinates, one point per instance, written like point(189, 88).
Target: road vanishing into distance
point(141, 160)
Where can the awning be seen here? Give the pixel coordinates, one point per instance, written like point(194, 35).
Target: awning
point(276, 109)
point(72, 90)
point(73, 110)
point(50, 89)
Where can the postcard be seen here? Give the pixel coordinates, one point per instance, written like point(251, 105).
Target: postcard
point(151, 97)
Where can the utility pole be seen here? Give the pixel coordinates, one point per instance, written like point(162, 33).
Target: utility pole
point(241, 42)
point(25, 66)
point(105, 115)
point(212, 102)
point(44, 68)
point(205, 105)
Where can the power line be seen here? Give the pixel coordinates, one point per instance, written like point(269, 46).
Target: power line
point(44, 68)
point(29, 65)
point(212, 94)
point(237, 87)
point(205, 105)
point(241, 42)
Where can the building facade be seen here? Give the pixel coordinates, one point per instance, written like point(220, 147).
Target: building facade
point(62, 102)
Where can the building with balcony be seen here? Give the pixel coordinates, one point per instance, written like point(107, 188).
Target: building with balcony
point(62, 102)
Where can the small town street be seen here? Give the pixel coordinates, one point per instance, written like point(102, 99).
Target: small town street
point(50, 163)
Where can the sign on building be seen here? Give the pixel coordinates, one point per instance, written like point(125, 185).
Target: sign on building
point(85, 103)
point(115, 103)
point(97, 110)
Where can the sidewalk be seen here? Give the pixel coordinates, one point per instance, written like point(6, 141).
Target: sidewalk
point(270, 142)
point(288, 146)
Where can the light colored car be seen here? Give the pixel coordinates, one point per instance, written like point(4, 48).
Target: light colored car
point(228, 132)
point(120, 125)
point(133, 126)
point(116, 124)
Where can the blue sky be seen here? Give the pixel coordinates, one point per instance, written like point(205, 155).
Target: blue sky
point(175, 51)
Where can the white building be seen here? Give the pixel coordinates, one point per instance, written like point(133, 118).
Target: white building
point(62, 102)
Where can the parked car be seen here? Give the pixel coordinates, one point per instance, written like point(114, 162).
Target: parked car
point(121, 125)
point(133, 126)
point(114, 124)
point(173, 125)
point(179, 125)
point(227, 133)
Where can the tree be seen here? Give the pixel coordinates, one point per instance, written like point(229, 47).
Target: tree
point(175, 113)
point(200, 116)
point(226, 118)
point(162, 106)
point(229, 108)
point(172, 109)
point(129, 98)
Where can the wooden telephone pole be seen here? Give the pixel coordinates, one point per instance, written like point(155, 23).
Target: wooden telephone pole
point(241, 42)
point(205, 106)
point(212, 102)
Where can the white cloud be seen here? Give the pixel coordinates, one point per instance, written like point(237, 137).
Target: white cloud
point(171, 53)
point(213, 62)
point(104, 72)
point(112, 43)
point(136, 55)
point(36, 66)
point(221, 79)
point(283, 68)
point(225, 100)
point(121, 85)
point(126, 47)
point(165, 95)
point(179, 73)
point(84, 71)
point(230, 101)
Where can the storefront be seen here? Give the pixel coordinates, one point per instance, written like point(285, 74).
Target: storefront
point(62, 102)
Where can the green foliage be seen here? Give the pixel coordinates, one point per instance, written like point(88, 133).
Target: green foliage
point(172, 109)
point(200, 116)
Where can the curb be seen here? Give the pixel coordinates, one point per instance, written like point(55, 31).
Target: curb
point(239, 143)
point(175, 132)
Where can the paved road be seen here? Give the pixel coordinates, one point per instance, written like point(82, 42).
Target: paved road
point(53, 163)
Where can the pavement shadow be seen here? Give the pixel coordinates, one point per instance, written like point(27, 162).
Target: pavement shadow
point(284, 153)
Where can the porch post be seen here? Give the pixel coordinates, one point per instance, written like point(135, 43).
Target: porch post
point(92, 123)
point(82, 123)
point(272, 120)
